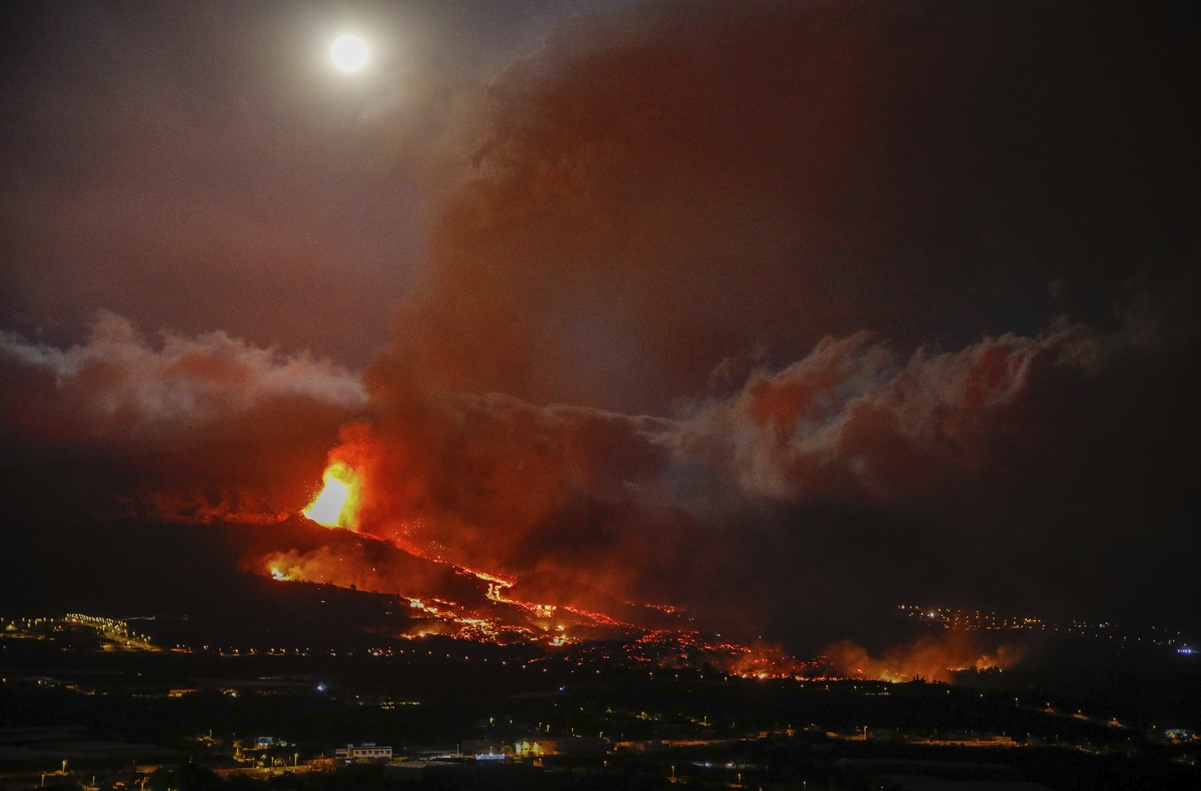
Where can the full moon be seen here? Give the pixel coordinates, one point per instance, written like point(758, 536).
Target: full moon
point(349, 53)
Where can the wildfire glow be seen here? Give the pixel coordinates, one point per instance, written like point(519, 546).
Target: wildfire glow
point(933, 658)
point(336, 505)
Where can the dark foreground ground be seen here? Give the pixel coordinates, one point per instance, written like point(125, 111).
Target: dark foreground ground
point(78, 709)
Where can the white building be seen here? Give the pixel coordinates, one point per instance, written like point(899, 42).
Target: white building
point(367, 751)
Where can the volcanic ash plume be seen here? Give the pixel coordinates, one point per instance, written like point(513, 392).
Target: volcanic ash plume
point(924, 458)
point(649, 203)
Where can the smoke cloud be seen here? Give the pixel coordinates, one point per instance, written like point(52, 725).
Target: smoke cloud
point(661, 190)
point(928, 657)
point(119, 387)
point(193, 428)
point(879, 335)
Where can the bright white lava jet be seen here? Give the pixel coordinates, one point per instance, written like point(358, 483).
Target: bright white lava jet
point(335, 505)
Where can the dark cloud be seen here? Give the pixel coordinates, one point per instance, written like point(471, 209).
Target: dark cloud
point(204, 165)
point(661, 190)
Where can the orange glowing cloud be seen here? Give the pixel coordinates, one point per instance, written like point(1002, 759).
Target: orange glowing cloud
point(928, 657)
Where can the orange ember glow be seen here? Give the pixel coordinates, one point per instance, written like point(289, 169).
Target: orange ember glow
point(928, 657)
point(337, 504)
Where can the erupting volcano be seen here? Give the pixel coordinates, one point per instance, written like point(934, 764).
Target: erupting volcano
point(446, 595)
point(599, 353)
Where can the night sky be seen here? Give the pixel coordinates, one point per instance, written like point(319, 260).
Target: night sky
point(788, 313)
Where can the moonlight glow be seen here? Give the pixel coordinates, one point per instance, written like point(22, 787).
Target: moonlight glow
point(349, 53)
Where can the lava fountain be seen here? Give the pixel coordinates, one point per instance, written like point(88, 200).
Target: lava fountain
point(337, 504)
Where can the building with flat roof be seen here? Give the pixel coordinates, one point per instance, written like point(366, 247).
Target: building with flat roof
point(365, 752)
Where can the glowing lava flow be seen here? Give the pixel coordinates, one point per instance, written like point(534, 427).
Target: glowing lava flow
point(337, 504)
